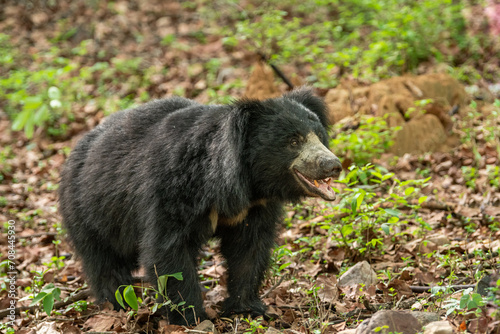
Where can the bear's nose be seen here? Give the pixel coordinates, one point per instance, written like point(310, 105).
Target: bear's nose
point(331, 166)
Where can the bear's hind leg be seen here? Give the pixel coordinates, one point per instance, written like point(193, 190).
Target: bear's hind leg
point(106, 271)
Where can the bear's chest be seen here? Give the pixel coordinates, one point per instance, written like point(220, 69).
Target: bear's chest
point(219, 219)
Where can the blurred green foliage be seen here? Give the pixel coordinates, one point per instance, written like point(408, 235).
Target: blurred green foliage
point(367, 39)
point(40, 98)
point(368, 141)
point(371, 39)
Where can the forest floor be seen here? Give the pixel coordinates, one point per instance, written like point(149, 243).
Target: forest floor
point(421, 220)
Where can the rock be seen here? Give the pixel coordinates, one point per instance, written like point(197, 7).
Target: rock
point(484, 284)
point(361, 273)
point(272, 330)
point(425, 318)
point(390, 321)
point(348, 331)
point(438, 327)
point(205, 326)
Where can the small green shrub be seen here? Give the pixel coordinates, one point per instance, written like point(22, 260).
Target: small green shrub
point(129, 296)
point(372, 138)
point(367, 217)
point(40, 98)
point(469, 302)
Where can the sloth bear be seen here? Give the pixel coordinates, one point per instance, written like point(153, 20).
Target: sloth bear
point(150, 185)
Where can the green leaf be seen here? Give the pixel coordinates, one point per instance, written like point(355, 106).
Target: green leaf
point(356, 201)
point(41, 115)
point(284, 265)
point(57, 294)
point(130, 297)
point(393, 220)
point(409, 191)
point(472, 304)
point(38, 298)
point(477, 299)
point(386, 228)
point(387, 176)
point(29, 128)
point(353, 204)
point(48, 303)
point(422, 199)
point(464, 301)
point(177, 276)
point(393, 212)
point(363, 178)
point(20, 120)
point(346, 230)
point(359, 200)
point(119, 298)
point(48, 288)
point(162, 284)
point(32, 103)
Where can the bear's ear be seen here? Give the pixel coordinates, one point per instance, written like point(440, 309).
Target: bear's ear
point(312, 102)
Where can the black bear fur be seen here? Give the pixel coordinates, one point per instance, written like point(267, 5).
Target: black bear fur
point(152, 184)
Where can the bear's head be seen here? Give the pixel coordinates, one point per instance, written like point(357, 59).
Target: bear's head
point(287, 147)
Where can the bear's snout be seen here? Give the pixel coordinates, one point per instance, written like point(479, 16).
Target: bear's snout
point(330, 166)
point(315, 167)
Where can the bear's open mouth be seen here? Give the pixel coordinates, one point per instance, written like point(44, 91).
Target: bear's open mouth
point(317, 187)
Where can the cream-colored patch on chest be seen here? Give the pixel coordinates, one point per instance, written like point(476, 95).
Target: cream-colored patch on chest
point(216, 219)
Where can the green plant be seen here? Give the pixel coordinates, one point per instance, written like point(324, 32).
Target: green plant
point(129, 296)
point(469, 302)
point(43, 98)
point(279, 262)
point(480, 128)
point(45, 297)
point(6, 154)
point(470, 175)
point(255, 325)
point(78, 306)
point(371, 39)
point(6, 327)
point(372, 138)
point(495, 298)
point(367, 218)
point(38, 99)
point(493, 176)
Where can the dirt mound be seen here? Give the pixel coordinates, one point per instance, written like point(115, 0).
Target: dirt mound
point(261, 85)
point(419, 104)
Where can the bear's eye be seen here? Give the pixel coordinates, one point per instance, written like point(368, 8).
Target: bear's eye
point(294, 142)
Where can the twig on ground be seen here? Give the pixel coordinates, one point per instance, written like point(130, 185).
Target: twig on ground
point(273, 287)
point(420, 289)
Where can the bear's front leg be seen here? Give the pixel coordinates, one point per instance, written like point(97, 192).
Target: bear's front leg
point(247, 248)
